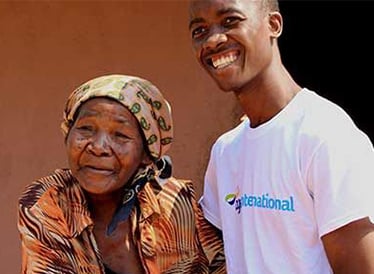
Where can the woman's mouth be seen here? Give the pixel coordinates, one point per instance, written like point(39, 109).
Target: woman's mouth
point(99, 170)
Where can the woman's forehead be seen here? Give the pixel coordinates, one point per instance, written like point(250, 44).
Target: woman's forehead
point(101, 106)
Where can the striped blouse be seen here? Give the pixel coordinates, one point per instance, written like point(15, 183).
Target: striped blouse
point(172, 235)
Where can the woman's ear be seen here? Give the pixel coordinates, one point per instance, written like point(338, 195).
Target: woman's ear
point(275, 24)
point(146, 159)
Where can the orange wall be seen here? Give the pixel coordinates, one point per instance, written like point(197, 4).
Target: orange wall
point(47, 48)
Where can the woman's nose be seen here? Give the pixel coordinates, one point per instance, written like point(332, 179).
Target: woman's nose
point(100, 145)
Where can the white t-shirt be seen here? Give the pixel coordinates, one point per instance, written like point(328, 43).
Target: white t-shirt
point(276, 189)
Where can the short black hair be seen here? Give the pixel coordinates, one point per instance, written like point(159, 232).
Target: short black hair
point(272, 5)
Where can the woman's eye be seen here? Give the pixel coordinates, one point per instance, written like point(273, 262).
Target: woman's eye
point(85, 128)
point(121, 135)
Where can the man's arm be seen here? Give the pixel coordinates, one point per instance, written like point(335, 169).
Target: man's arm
point(350, 249)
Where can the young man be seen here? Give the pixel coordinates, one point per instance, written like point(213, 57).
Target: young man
point(290, 187)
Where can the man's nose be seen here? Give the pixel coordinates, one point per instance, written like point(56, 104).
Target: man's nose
point(215, 38)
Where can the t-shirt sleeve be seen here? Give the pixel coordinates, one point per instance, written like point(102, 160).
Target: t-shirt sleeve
point(341, 179)
point(210, 198)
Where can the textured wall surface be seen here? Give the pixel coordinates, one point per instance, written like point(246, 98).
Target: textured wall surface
point(47, 48)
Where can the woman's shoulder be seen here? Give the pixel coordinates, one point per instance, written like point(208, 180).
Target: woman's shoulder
point(56, 203)
point(181, 182)
point(177, 191)
point(51, 185)
point(177, 184)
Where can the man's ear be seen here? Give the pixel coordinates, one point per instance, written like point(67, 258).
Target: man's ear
point(275, 24)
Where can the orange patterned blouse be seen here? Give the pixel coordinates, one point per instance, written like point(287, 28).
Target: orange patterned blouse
point(171, 233)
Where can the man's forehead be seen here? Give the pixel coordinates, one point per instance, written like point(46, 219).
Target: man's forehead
point(199, 5)
point(200, 8)
point(223, 2)
point(207, 3)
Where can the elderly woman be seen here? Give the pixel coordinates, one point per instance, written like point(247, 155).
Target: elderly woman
point(116, 209)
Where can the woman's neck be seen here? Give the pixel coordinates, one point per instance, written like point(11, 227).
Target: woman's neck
point(102, 207)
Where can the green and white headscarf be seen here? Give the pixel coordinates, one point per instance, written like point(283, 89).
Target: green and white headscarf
point(140, 96)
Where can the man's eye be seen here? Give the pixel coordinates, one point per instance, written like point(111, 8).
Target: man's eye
point(197, 32)
point(230, 21)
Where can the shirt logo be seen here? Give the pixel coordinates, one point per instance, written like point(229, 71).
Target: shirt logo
point(261, 201)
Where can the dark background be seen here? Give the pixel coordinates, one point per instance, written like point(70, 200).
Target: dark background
point(327, 46)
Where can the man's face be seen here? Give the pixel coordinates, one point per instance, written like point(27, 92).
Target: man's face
point(231, 40)
point(104, 146)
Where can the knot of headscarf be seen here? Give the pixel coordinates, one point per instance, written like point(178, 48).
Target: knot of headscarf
point(140, 96)
point(163, 171)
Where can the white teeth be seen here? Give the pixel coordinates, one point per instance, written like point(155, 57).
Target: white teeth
point(224, 61)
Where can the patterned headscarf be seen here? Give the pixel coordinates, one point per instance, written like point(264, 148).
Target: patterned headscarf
point(140, 96)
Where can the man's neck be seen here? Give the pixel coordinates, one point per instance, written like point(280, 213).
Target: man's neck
point(262, 99)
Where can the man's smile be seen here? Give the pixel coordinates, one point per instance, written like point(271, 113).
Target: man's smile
point(220, 61)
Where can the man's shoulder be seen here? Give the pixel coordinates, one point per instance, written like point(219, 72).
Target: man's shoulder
point(326, 119)
point(233, 134)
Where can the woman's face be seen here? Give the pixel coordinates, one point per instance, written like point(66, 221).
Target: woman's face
point(104, 146)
